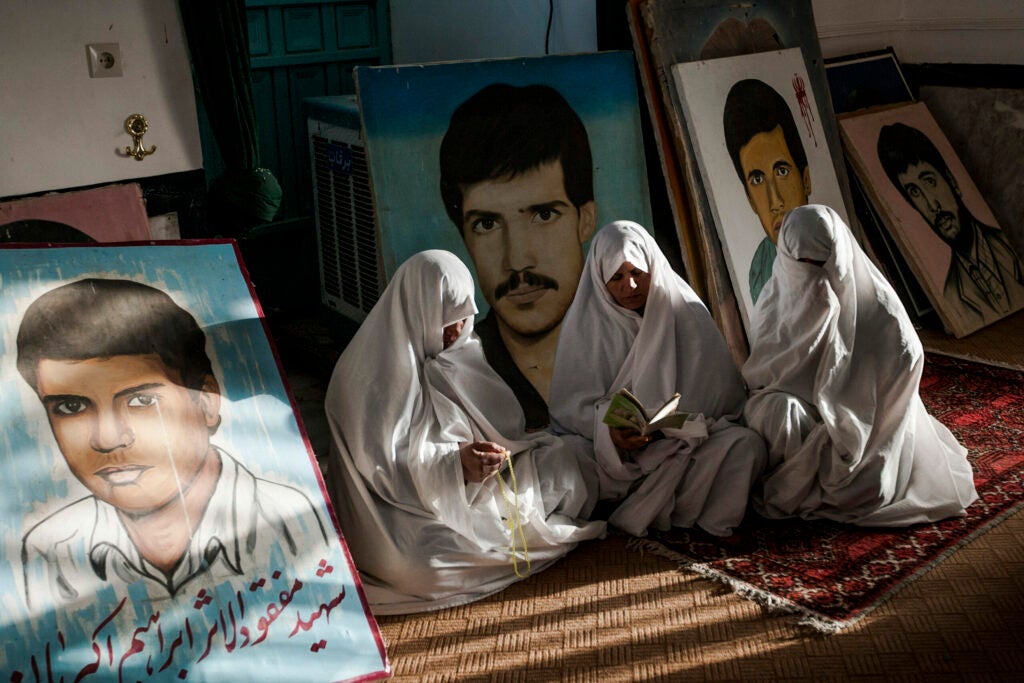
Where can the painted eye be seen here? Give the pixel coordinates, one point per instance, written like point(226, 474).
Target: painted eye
point(546, 215)
point(482, 226)
point(142, 401)
point(782, 171)
point(69, 406)
point(756, 178)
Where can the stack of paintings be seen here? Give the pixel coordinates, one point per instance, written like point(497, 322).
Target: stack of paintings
point(698, 52)
point(860, 82)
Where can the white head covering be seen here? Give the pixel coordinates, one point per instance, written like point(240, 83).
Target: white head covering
point(837, 337)
point(831, 335)
point(674, 346)
point(399, 405)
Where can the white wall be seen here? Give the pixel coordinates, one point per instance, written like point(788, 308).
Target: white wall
point(921, 31)
point(443, 30)
point(58, 127)
point(924, 31)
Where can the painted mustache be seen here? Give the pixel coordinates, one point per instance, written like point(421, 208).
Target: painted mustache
point(943, 217)
point(527, 277)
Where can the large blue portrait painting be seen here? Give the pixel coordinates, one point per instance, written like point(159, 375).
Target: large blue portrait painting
point(163, 516)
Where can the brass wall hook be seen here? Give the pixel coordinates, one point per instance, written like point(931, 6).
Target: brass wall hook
point(137, 125)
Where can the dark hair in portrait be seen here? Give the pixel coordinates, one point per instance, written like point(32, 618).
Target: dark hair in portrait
point(41, 230)
point(754, 107)
point(901, 146)
point(505, 130)
point(735, 37)
point(102, 318)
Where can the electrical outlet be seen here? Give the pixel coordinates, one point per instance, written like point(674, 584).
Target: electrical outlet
point(104, 60)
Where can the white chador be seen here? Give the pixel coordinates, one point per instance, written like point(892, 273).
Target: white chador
point(834, 374)
point(699, 475)
point(399, 404)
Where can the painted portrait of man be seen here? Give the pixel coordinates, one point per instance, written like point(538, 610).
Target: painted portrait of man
point(765, 147)
point(985, 277)
point(937, 217)
point(762, 149)
point(517, 182)
point(518, 161)
point(162, 504)
point(132, 401)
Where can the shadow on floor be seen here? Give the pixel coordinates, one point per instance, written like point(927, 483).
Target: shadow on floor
point(308, 345)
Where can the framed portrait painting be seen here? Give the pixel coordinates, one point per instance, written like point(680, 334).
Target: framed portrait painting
point(111, 213)
point(761, 148)
point(964, 261)
point(163, 516)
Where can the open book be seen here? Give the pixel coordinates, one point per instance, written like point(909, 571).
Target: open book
point(626, 411)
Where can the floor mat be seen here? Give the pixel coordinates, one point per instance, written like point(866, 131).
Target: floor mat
point(833, 574)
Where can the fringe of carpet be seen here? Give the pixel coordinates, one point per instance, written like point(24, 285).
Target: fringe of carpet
point(770, 602)
point(808, 617)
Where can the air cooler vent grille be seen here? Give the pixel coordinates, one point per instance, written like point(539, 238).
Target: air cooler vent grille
point(349, 258)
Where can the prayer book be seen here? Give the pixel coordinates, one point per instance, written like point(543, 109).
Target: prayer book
point(626, 411)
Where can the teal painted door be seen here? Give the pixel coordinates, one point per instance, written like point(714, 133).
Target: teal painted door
point(298, 50)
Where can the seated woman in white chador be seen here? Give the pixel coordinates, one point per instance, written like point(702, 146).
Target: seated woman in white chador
point(442, 496)
point(636, 324)
point(834, 371)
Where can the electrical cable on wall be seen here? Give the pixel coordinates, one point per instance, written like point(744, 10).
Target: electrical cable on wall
point(547, 33)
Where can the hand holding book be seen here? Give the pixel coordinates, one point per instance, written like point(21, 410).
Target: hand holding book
point(627, 412)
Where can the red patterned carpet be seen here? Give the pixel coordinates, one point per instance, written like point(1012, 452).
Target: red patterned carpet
point(833, 574)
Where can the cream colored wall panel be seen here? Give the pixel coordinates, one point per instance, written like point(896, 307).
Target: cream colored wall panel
point(59, 128)
point(925, 31)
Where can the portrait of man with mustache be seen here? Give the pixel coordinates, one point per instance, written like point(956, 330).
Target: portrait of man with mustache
point(985, 277)
point(517, 181)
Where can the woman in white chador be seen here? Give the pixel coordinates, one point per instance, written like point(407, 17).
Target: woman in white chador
point(636, 324)
point(418, 470)
point(834, 374)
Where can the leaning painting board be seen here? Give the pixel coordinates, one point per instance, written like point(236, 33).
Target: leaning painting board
point(149, 403)
point(671, 168)
point(690, 30)
point(860, 81)
point(111, 213)
point(951, 197)
point(703, 89)
point(406, 111)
